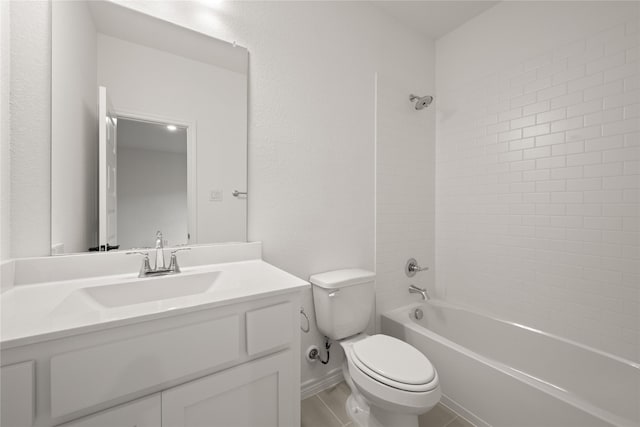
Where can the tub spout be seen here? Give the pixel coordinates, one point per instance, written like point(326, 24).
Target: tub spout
point(413, 289)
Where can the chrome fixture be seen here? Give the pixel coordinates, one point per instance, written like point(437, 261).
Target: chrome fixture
point(421, 101)
point(159, 269)
point(308, 327)
point(237, 193)
point(412, 267)
point(313, 353)
point(159, 252)
point(413, 289)
point(418, 314)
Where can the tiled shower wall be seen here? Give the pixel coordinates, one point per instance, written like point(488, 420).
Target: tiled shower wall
point(405, 215)
point(537, 194)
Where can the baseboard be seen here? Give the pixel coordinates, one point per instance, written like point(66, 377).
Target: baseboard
point(311, 387)
point(462, 412)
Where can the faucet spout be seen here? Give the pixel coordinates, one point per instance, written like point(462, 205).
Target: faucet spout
point(413, 289)
point(160, 265)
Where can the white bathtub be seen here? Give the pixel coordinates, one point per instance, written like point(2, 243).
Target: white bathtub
point(504, 374)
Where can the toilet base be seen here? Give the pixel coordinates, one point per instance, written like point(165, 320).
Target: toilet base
point(392, 419)
point(364, 415)
point(357, 412)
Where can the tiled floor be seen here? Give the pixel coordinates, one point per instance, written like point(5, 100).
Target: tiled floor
point(326, 409)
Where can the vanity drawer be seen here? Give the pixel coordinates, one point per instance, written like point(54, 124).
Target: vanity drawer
point(90, 376)
point(269, 328)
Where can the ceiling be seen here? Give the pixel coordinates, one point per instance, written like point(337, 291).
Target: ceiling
point(434, 18)
point(151, 136)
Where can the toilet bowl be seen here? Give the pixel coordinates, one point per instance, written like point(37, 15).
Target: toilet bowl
point(391, 382)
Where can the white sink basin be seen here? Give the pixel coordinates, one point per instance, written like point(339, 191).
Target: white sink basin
point(151, 289)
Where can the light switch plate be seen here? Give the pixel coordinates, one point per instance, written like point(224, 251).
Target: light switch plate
point(215, 196)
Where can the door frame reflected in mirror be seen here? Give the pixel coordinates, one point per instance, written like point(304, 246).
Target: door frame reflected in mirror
point(190, 126)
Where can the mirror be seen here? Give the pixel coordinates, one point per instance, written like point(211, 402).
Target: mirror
point(152, 183)
point(176, 129)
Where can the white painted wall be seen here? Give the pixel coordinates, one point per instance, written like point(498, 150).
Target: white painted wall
point(537, 168)
point(74, 127)
point(29, 128)
point(5, 134)
point(152, 196)
point(156, 83)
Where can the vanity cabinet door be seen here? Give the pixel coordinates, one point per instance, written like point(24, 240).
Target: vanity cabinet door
point(260, 393)
point(17, 394)
point(143, 412)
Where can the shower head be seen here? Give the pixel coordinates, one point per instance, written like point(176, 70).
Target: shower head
point(421, 101)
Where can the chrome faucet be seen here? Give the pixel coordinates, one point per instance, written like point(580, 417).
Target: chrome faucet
point(159, 252)
point(160, 269)
point(413, 289)
point(412, 267)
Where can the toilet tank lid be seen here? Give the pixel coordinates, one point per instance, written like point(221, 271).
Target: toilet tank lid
point(339, 278)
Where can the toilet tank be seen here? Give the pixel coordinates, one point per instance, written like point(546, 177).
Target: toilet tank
point(343, 301)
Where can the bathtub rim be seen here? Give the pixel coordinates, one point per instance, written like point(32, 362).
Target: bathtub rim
point(402, 315)
point(487, 314)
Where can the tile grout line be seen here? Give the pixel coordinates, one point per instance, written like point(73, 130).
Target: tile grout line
point(457, 415)
point(330, 410)
point(461, 418)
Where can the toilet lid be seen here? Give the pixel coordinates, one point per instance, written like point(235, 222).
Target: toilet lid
point(396, 360)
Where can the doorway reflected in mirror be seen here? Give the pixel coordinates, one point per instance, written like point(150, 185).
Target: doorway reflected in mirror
point(152, 183)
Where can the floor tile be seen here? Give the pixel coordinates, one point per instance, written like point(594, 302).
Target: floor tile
point(439, 416)
point(314, 413)
point(335, 398)
point(459, 422)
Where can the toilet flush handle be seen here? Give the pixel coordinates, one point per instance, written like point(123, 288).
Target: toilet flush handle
point(334, 293)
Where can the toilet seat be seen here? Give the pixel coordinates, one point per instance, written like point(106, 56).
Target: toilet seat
point(394, 363)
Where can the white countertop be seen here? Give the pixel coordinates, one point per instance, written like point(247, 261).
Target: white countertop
point(44, 311)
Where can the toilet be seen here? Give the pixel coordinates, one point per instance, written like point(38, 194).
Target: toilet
point(391, 381)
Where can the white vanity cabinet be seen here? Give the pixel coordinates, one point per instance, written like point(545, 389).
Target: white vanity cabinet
point(253, 394)
point(144, 412)
point(256, 393)
point(17, 394)
point(233, 365)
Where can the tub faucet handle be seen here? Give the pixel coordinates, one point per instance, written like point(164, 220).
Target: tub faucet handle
point(412, 267)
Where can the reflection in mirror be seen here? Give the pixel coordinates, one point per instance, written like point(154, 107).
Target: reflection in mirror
point(152, 183)
point(156, 75)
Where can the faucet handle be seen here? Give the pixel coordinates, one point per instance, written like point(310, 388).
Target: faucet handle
point(146, 264)
point(173, 263)
point(145, 253)
point(412, 267)
point(179, 250)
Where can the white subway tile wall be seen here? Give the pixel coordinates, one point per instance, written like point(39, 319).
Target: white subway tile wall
point(405, 215)
point(537, 192)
